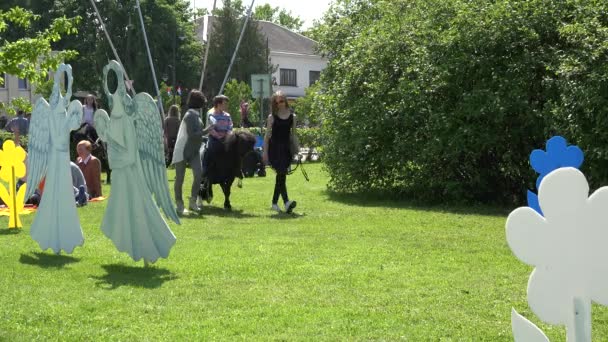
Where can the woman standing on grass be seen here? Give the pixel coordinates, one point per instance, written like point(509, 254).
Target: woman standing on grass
point(187, 146)
point(88, 121)
point(277, 152)
point(170, 129)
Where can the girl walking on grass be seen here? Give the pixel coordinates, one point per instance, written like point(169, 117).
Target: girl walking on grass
point(277, 152)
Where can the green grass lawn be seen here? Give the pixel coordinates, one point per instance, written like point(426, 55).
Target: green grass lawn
point(341, 268)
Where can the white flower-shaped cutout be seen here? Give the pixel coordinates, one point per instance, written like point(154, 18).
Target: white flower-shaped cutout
point(568, 246)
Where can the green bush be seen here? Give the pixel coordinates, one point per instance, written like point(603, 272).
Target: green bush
point(581, 107)
point(308, 137)
point(443, 100)
point(305, 107)
point(17, 103)
point(169, 100)
point(4, 135)
point(237, 91)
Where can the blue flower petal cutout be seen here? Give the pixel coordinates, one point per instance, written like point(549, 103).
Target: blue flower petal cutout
point(533, 202)
point(556, 145)
point(558, 154)
point(542, 162)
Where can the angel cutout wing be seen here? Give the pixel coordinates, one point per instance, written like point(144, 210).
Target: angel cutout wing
point(38, 146)
point(148, 129)
point(102, 123)
point(74, 115)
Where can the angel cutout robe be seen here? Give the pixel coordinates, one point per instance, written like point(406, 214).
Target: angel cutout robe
point(132, 219)
point(56, 224)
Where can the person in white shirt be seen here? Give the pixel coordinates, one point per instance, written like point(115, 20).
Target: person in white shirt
point(89, 109)
point(87, 127)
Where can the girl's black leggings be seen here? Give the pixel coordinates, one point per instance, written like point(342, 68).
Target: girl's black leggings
point(280, 188)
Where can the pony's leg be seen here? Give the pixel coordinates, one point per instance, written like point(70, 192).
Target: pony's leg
point(226, 189)
point(209, 192)
point(102, 155)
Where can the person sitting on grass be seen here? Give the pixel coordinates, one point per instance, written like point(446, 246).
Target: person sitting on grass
point(90, 167)
point(79, 184)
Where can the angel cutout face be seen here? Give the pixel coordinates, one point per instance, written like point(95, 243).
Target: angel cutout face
point(56, 96)
point(56, 225)
point(121, 91)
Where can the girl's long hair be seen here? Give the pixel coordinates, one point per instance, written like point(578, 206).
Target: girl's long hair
point(94, 105)
point(174, 111)
point(273, 99)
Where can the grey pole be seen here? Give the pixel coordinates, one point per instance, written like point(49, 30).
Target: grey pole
point(237, 47)
point(200, 85)
point(261, 105)
point(103, 28)
point(143, 28)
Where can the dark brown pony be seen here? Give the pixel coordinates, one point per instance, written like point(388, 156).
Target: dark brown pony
point(225, 166)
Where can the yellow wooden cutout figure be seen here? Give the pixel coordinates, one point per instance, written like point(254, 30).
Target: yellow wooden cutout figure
point(12, 168)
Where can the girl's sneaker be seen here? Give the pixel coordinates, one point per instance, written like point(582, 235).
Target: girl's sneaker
point(289, 206)
point(193, 205)
point(180, 209)
point(276, 208)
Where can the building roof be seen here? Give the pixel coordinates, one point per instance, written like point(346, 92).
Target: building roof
point(280, 39)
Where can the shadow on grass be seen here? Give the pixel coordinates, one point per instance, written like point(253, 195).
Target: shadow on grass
point(285, 216)
point(381, 200)
point(136, 276)
point(10, 231)
point(45, 260)
point(221, 212)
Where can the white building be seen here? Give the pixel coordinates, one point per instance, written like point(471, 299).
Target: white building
point(13, 87)
point(298, 64)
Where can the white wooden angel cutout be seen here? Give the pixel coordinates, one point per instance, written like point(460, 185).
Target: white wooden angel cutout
point(136, 155)
point(56, 225)
point(568, 249)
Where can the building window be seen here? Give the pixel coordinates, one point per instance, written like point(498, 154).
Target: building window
point(313, 77)
point(3, 82)
point(289, 77)
point(22, 83)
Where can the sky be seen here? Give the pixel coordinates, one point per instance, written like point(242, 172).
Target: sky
point(307, 10)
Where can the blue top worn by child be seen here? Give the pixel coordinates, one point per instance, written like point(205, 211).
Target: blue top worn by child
point(220, 125)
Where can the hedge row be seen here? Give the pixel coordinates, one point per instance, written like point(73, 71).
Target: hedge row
point(443, 100)
point(308, 137)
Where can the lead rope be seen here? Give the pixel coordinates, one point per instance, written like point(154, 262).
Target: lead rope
point(301, 166)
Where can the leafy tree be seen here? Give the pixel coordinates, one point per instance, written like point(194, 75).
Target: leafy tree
point(265, 12)
point(31, 55)
point(306, 108)
point(176, 52)
point(581, 68)
point(238, 91)
point(314, 31)
point(251, 57)
point(170, 96)
point(445, 100)
point(279, 16)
